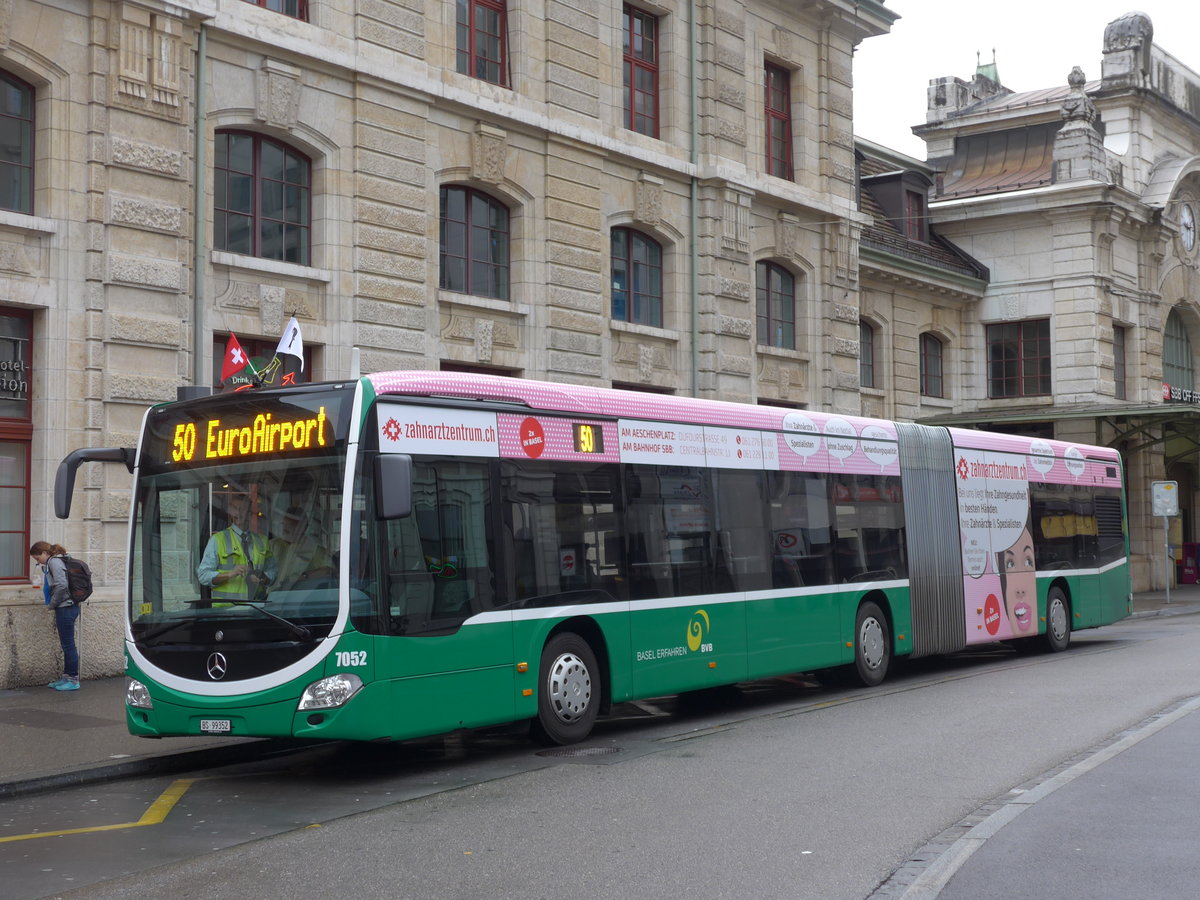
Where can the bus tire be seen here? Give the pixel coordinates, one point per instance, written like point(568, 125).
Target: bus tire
point(568, 690)
point(1058, 620)
point(872, 644)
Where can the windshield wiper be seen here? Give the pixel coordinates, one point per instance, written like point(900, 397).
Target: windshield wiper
point(298, 631)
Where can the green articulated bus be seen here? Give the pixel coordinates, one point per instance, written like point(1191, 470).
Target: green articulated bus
point(409, 553)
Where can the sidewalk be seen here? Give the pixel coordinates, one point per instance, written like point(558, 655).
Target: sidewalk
point(52, 739)
point(1183, 598)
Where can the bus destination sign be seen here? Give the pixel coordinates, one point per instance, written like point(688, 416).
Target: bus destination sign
point(245, 428)
point(216, 439)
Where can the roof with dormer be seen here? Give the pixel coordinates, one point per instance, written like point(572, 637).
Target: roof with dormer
point(884, 235)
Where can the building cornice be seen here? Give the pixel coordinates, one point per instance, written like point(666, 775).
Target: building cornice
point(918, 274)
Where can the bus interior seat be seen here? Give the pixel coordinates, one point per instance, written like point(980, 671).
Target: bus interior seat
point(874, 575)
point(787, 572)
point(452, 599)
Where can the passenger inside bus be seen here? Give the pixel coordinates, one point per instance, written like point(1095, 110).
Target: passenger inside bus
point(299, 556)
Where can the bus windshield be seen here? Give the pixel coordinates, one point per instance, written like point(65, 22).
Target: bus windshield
point(236, 531)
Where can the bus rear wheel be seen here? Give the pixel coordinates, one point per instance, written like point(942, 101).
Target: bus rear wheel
point(872, 644)
point(568, 691)
point(1058, 620)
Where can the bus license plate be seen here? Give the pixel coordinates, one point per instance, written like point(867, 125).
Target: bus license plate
point(216, 726)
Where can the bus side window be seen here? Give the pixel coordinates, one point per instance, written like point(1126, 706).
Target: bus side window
point(743, 545)
point(869, 534)
point(1055, 530)
point(562, 529)
point(670, 518)
point(438, 561)
point(801, 532)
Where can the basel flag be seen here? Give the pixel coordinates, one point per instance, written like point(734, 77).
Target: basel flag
point(290, 352)
point(235, 358)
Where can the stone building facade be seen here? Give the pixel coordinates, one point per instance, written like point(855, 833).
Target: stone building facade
point(916, 292)
point(1082, 200)
point(659, 195)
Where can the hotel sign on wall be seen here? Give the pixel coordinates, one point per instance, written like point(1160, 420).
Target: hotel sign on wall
point(14, 366)
point(14, 378)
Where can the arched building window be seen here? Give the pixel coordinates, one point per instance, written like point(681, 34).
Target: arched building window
point(932, 355)
point(474, 243)
point(866, 354)
point(775, 292)
point(261, 198)
point(637, 278)
point(16, 144)
point(1177, 354)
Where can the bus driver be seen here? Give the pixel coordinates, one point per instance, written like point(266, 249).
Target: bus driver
point(237, 563)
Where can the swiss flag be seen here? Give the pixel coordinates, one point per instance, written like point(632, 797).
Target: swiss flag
point(235, 358)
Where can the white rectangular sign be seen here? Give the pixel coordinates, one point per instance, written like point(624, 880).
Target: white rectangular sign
point(437, 431)
point(738, 448)
point(1164, 498)
point(672, 444)
point(661, 443)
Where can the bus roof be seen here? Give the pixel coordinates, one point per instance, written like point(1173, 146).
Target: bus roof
point(597, 401)
point(614, 403)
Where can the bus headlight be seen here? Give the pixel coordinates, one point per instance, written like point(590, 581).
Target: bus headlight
point(137, 695)
point(330, 692)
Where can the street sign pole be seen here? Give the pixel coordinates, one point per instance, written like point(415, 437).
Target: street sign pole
point(1167, 555)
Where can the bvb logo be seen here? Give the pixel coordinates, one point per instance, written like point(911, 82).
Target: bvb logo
point(697, 628)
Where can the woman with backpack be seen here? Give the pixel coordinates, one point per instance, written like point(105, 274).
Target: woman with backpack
point(66, 611)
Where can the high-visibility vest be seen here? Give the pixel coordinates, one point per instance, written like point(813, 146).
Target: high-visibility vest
point(231, 552)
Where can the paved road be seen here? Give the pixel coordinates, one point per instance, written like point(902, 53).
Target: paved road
point(761, 801)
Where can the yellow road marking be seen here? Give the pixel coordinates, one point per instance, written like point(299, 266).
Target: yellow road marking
point(154, 815)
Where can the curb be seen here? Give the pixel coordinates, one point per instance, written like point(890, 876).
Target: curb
point(1181, 609)
point(170, 763)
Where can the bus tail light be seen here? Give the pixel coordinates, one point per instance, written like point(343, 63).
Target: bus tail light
point(330, 692)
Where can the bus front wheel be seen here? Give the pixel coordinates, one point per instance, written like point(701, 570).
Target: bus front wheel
point(1058, 620)
point(872, 644)
point(569, 691)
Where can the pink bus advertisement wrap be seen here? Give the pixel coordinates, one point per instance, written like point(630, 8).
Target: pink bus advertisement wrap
point(993, 474)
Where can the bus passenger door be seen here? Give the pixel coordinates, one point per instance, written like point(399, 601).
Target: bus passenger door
point(442, 644)
point(688, 620)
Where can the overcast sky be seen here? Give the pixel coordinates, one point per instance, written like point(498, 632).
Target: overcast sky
point(1037, 42)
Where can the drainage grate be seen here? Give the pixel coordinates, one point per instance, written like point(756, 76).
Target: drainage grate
point(577, 752)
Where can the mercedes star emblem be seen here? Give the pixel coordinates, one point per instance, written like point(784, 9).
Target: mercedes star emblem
point(217, 666)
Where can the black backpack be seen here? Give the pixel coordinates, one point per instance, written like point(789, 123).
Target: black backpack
point(79, 578)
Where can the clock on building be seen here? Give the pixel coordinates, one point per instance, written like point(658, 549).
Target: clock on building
point(1187, 227)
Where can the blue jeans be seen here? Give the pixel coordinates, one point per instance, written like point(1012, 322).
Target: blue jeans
point(64, 621)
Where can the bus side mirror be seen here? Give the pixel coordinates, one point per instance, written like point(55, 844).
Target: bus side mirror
point(64, 478)
point(393, 486)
